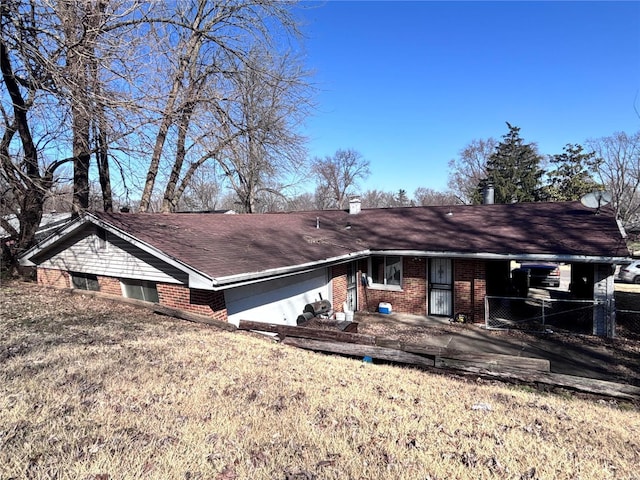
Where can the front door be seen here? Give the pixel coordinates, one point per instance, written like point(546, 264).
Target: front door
point(352, 287)
point(440, 287)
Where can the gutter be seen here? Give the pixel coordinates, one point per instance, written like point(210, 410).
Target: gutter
point(241, 279)
point(547, 257)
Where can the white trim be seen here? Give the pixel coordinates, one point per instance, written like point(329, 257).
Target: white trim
point(386, 286)
point(220, 283)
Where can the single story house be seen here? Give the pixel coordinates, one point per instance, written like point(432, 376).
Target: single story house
point(267, 267)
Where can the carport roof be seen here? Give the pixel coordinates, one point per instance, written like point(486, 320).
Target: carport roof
point(234, 246)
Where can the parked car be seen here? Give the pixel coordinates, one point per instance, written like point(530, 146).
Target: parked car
point(540, 274)
point(630, 273)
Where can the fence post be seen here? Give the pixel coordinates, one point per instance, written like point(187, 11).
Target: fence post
point(543, 323)
point(486, 312)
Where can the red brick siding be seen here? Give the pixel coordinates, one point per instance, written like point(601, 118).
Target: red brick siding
point(53, 278)
point(413, 296)
point(363, 303)
point(470, 288)
point(110, 285)
point(202, 302)
point(339, 286)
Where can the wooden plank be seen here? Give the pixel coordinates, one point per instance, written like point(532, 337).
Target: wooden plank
point(157, 308)
point(192, 317)
point(443, 355)
point(433, 350)
point(492, 360)
point(351, 327)
point(581, 384)
point(305, 332)
point(359, 350)
point(501, 372)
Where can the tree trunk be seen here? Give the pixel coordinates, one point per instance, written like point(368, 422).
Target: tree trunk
point(187, 61)
point(103, 171)
point(170, 202)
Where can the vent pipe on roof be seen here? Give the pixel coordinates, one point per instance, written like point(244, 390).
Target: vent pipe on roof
point(488, 194)
point(354, 205)
point(317, 222)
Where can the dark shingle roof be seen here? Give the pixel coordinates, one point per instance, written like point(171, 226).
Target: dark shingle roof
point(226, 245)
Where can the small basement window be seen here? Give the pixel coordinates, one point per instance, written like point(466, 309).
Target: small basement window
point(386, 270)
point(84, 281)
point(141, 290)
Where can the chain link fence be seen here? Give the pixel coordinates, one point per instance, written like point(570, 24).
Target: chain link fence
point(540, 314)
point(628, 324)
point(627, 313)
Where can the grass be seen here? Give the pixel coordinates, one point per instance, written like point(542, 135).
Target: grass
point(94, 390)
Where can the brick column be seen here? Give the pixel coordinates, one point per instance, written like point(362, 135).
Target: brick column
point(469, 288)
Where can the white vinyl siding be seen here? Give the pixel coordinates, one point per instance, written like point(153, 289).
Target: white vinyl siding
point(276, 301)
point(109, 255)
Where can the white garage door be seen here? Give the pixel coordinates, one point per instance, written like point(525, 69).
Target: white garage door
point(276, 301)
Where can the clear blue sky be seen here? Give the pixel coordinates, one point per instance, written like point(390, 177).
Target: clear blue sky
point(409, 84)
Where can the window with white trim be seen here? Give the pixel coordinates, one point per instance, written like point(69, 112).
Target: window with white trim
point(84, 281)
point(386, 270)
point(140, 289)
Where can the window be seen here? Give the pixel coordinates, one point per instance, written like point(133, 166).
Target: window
point(386, 271)
point(141, 290)
point(84, 281)
point(101, 239)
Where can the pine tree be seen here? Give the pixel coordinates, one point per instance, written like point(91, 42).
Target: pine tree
point(514, 170)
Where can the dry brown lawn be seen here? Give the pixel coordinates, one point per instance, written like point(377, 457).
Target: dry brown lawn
point(95, 390)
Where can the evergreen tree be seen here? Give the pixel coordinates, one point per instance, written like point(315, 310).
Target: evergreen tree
point(514, 169)
point(401, 199)
point(571, 178)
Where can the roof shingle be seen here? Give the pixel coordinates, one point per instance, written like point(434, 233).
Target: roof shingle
point(227, 245)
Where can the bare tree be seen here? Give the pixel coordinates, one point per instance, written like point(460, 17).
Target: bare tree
point(466, 171)
point(429, 197)
point(21, 171)
point(617, 165)
point(263, 147)
point(209, 55)
point(340, 174)
point(204, 191)
point(377, 199)
point(303, 201)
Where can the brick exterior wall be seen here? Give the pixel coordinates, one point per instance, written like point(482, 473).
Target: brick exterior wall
point(338, 275)
point(53, 278)
point(413, 296)
point(469, 288)
point(110, 285)
point(202, 302)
